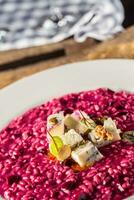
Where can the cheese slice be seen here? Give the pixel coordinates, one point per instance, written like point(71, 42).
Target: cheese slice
point(55, 125)
point(54, 119)
point(86, 154)
point(104, 135)
point(57, 130)
point(98, 141)
point(72, 138)
point(84, 118)
point(71, 123)
point(110, 126)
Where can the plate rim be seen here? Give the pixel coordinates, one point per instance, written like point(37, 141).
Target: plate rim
point(60, 67)
point(21, 84)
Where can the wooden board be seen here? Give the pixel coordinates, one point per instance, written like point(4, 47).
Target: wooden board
point(17, 64)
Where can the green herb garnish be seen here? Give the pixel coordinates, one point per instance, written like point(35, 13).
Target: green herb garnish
point(128, 136)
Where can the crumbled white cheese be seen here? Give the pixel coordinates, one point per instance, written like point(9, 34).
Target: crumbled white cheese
point(72, 138)
point(86, 154)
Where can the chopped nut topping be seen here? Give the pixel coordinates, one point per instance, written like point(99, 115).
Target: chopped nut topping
point(101, 132)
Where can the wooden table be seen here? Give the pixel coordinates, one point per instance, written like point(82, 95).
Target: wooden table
point(17, 64)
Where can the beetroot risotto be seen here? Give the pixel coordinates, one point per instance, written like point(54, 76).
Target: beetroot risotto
point(28, 170)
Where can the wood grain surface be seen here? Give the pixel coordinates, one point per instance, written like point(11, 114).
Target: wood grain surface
point(17, 64)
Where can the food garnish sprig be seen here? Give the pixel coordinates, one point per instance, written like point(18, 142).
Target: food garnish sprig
point(86, 121)
point(128, 136)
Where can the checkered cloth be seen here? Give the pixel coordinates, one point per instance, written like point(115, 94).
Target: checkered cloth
point(25, 23)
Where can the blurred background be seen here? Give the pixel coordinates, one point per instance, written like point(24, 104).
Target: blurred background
point(129, 12)
point(37, 35)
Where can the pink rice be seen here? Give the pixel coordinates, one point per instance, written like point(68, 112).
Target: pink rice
point(26, 172)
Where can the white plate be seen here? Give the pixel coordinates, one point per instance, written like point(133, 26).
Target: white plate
point(22, 95)
point(28, 92)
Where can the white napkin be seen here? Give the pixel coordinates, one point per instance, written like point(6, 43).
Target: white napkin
point(29, 23)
